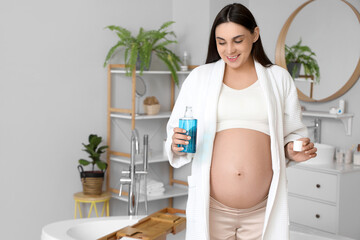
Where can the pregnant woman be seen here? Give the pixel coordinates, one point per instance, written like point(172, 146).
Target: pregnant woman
point(248, 117)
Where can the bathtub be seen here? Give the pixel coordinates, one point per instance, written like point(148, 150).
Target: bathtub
point(93, 228)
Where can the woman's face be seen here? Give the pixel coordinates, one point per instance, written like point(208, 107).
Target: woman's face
point(234, 43)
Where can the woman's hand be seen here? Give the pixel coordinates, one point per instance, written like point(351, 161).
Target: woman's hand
point(308, 151)
point(179, 137)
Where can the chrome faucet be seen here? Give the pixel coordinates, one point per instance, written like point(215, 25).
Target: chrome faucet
point(317, 130)
point(131, 179)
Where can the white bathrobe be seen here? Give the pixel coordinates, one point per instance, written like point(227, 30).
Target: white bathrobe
point(201, 91)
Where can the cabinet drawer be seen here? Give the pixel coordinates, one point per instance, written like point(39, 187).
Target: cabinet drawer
point(313, 214)
point(312, 184)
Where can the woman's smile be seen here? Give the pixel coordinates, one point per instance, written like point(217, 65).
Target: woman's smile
point(233, 58)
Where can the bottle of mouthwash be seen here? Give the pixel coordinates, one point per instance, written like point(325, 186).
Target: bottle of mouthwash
point(190, 125)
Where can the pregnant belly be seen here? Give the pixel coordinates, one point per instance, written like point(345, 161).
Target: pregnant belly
point(241, 169)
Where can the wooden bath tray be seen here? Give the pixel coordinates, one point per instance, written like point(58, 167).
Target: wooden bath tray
point(153, 227)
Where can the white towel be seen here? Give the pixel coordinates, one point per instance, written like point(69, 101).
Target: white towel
point(153, 192)
point(156, 192)
point(152, 183)
point(153, 188)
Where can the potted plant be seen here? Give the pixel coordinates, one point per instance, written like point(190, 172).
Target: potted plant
point(301, 55)
point(140, 48)
point(92, 181)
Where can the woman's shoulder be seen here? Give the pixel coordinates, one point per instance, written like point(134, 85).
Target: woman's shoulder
point(280, 71)
point(281, 78)
point(204, 68)
point(200, 74)
point(280, 74)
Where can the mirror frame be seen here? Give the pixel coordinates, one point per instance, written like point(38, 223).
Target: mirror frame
point(280, 56)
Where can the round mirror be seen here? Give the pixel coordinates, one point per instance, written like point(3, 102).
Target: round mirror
point(331, 28)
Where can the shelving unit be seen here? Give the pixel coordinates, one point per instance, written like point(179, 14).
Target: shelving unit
point(175, 188)
point(345, 118)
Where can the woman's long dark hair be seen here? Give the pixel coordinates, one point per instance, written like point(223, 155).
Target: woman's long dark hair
point(237, 13)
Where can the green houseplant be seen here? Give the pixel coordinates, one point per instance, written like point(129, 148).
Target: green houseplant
point(92, 181)
point(301, 55)
point(140, 48)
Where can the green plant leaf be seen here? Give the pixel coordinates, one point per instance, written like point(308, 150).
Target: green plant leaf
point(166, 25)
point(170, 66)
point(111, 52)
point(101, 165)
point(121, 32)
point(84, 162)
point(101, 149)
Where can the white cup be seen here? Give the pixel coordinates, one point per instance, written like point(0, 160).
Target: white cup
point(297, 146)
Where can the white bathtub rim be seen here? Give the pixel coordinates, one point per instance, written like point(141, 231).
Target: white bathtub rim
point(59, 230)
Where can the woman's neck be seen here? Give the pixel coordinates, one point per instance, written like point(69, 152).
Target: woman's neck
point(241, 77)
point(245, 68)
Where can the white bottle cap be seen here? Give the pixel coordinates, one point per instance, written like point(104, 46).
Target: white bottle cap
point(188, 112)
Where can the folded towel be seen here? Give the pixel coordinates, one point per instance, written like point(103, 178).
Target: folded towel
point(153, 192)
point(152, 183)
point(154, 188)
point(156, 192)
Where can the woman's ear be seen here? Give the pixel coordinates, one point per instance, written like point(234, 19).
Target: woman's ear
point(256, 34)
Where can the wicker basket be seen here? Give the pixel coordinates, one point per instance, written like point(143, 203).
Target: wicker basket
point(152, 109)
point(92, 185)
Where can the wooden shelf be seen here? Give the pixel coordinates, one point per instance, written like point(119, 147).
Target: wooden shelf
point(154, 158)
point(141, 116)
point(170, 192)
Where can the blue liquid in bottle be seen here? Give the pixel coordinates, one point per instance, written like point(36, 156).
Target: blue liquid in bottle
point(190, 125)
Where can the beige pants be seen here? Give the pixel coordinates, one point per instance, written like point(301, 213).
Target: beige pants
point(228, 223)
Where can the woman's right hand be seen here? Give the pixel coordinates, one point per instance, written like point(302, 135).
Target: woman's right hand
point(179, 137)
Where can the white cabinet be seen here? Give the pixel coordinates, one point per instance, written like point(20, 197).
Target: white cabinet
point(325, 197)
point(125, 119)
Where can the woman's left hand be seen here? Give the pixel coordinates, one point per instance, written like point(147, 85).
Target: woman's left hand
point(308, 151)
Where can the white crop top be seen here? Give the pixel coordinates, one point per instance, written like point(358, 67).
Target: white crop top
point(245, 108)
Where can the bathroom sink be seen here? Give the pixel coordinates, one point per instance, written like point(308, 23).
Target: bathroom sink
point(325, 154)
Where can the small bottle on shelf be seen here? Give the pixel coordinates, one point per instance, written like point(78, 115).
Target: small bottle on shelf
point(341, 108)
point(184, 66)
